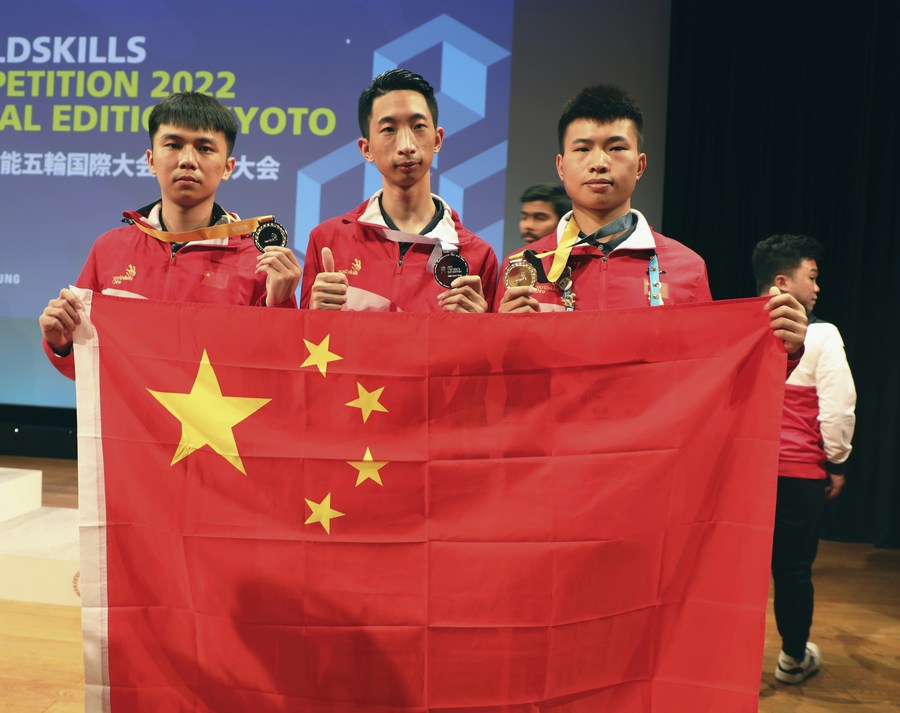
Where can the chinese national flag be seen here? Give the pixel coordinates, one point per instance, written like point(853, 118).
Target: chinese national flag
point(396, 513)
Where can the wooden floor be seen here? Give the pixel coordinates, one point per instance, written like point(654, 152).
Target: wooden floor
point(857, 625)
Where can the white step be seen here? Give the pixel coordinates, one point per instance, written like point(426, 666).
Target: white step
point(39, 557)
point(20, 492)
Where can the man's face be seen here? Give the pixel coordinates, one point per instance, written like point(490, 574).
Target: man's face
point(600, 165)
point(402, 137)
point(802, 283)
point(189, 165)
point(537, 219)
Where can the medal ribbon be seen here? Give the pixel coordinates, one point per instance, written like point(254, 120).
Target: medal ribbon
point(441, 246)
point(442, 236)
point(214, 232)
point(568, 241)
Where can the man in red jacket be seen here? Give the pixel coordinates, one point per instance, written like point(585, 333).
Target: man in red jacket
point(818, 423)
point(603, 254)
point(183, 247)
point(405, 249)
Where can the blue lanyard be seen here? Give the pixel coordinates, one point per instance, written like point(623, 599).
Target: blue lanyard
point(655, 291)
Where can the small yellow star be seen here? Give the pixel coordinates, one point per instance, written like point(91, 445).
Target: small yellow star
point(322, 513)
point(367, 401)
point(368, 468)
point(207, 417)
point(319, 355)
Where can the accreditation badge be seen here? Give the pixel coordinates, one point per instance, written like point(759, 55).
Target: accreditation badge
point(448, 267)
point(269, 233)
point(564, 283)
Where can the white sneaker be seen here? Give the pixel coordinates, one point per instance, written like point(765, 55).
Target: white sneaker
point(789, 670)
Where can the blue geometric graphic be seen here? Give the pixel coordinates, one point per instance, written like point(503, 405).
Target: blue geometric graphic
point(463, 94)
point(465, 59)
point(456, 181)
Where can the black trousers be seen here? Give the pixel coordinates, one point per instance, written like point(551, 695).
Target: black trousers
point(798, 516)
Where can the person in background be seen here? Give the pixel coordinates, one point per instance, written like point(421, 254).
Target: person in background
point(816, 432)
point(543, 205)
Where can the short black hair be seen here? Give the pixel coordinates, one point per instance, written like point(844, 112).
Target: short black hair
point(391, 81)
point(781, 255)
point(602, 103)
point(194, 111)
point(551, 193)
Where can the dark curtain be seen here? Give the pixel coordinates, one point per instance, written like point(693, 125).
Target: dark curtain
point(784, 117)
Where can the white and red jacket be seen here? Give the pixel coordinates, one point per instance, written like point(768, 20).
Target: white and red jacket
point(620, 280)
point(127, 262)
point(819, 407)
point(379, 278)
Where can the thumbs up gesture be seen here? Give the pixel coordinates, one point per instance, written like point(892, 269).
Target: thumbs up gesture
point(329, 291)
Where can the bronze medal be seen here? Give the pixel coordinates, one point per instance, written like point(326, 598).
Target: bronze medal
point(520, 273)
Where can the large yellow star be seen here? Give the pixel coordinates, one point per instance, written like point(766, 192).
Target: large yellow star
point(322, 513)
point(207, 417)
point(319, 355)
point(368, 468)
point(367, 401)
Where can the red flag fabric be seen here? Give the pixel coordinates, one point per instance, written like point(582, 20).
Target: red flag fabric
point(385, 513)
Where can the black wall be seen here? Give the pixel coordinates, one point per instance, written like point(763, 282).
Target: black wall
point(784, 117)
